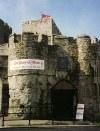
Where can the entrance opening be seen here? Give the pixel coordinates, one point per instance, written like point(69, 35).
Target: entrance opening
point(5, 99)
point(63, 103)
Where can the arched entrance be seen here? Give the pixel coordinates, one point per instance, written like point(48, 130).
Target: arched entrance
point(64, 100)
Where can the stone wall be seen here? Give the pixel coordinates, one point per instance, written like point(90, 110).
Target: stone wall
point(44, 26)
point(39, 26)
point(86, 78)
point(69, 48)
point(84, 54)
point(32, 87)
point(76, 60)
point(24, 84)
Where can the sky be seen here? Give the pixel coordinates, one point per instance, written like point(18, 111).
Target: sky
point(73, 17)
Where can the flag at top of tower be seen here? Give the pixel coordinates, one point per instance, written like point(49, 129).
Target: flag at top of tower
point(43, 16)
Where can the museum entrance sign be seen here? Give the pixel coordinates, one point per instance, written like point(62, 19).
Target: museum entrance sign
point(26, 64)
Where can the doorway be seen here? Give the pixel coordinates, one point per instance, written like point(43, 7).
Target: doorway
point(63, 103)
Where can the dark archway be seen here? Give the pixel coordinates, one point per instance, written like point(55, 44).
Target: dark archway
point(64, 101)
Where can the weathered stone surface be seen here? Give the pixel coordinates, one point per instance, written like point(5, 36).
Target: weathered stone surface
point(42, 26)
point(32, 87)
point(86, 83)
point(76, 60)
point(25, 85)
point(84, 55)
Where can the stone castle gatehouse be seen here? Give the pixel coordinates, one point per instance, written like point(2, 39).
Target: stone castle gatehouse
point(43, 67)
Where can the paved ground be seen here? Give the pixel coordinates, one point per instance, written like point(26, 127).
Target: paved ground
point(40, 125)
point(69, 128)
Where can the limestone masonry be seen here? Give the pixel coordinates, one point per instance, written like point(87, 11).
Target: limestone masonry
point(41, 67)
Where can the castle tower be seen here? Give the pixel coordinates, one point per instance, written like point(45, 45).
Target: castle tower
point(85, 77)
point(45, 25)
point(83, 43)
point(25, 64)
